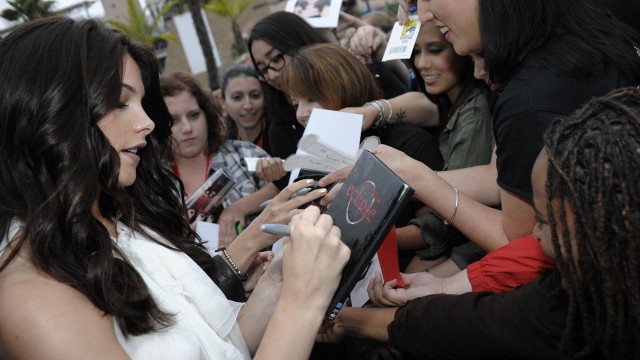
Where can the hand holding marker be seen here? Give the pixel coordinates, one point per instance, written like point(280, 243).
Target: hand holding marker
point(280, 229)
point(276, 229)
point(300, 192)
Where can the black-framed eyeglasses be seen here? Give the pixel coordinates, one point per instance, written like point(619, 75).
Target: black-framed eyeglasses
point(276, 64)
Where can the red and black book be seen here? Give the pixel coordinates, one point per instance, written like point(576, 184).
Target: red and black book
point(365, 209)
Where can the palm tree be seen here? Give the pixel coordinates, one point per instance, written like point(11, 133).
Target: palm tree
point(232, 9)
point(26, 10)
point(203, 37)
point(138, 28)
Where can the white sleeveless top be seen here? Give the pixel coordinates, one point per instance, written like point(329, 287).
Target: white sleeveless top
point(204, 325)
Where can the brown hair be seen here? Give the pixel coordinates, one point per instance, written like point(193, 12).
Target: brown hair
point(178, 82)
point(330, 75)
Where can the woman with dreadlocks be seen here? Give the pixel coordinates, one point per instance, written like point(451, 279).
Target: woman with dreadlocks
point(587, 206)
point(591, 221)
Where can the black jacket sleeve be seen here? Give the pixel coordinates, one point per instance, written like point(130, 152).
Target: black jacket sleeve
point(526, 323)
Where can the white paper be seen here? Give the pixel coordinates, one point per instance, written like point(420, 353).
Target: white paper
point(359, 294)
point(252, 162)
point(402, 39)
point(318, 13)
point(338, 129)
point(208, 232)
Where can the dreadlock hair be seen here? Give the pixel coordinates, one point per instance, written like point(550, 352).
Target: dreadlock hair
point(594, 164)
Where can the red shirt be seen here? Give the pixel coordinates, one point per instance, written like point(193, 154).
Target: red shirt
point(517, 263)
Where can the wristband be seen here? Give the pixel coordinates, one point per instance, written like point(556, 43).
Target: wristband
point(380, 118)
point(242, 276)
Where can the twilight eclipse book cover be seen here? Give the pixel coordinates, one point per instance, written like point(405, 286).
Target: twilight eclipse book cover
point(365, 209)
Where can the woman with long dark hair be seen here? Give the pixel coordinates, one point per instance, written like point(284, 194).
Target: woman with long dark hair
point(97, 258)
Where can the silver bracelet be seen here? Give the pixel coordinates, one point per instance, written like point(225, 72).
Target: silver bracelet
point(455, 206)
point(380, 118)
point(242, 276)
point(390, 111)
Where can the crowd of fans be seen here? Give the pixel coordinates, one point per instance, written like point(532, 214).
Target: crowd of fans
point(517, 123)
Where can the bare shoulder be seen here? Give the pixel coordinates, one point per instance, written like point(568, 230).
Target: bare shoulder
point(43, 318)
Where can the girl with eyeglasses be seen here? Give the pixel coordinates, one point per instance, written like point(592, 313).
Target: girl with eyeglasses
point(273, 43)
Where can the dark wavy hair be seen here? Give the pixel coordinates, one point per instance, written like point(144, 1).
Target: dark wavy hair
point(177, 82)
point(59, 78)
point(511, 30)
point(593, 176)
point(286, 32)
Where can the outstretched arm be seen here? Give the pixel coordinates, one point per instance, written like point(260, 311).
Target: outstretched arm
point(416, 285)
point(489, 228)
point(412, 107)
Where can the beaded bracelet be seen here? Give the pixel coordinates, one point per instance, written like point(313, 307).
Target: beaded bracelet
point(380, 118)
point(242, 276)
point(455, 206)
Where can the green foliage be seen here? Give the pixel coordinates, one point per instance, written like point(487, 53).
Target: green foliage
point(230, 9)
point(26, 10)
point(138, 28)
